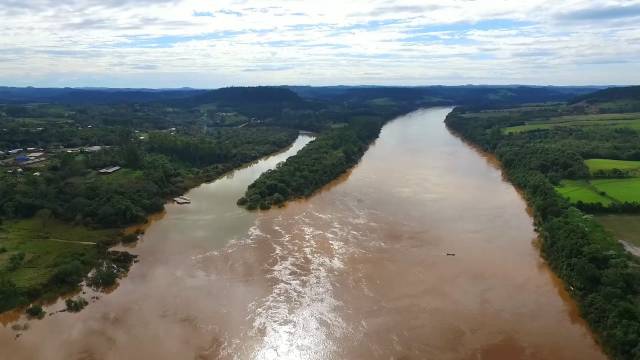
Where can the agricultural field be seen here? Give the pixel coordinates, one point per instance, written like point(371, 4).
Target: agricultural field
point(603, 191)
point(622, 190)
point(630, 120)
point(582, 190)
point(608, 164)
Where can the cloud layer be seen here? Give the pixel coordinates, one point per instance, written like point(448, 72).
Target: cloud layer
point(203, 43)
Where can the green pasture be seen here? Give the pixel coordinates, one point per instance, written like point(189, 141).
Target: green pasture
point(608, 164)
point(623, 190)
point(581, 190)
point(47, 245)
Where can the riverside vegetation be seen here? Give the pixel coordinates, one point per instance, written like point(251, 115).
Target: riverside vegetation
point(548, 164)
point(60, 216)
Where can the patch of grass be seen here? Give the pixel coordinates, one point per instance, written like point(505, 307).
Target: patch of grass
point(624, 227)
point(382, 102)
point(49, 247)
point(528, 127)
point(623, 190)
point(608, 164)
point(581, 190)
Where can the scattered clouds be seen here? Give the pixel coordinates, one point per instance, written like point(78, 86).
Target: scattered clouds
point(201, 43)
point(599, 13)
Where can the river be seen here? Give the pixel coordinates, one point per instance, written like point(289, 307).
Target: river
point(423, 251)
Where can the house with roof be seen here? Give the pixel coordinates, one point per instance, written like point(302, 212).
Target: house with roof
point(109, 170)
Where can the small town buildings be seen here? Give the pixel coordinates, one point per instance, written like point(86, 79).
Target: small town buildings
point(33, 161)
point(21, 159)
point(109, 170)
point(182, 200)
point(35, 155)
point(15, 151)
point(92, 148)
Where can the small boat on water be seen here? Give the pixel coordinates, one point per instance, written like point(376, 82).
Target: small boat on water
point(182, 200)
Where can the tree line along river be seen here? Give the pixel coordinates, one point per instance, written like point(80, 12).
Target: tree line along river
point(422, 251)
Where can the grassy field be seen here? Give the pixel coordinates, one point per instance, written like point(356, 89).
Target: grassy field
point(604, 191)
point(581, 190)
point(629, 120)
point(624, 227)
point(608, 164)
point(47, 245)
point(620, 189)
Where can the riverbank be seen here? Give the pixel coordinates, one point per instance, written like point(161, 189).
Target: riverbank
point(48, 258)
point(594, 267)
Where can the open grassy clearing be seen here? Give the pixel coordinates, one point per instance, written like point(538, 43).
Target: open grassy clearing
point(608, 164)
point(581, 190)
point(624, 227)
point(623, 190)
point(47, 246)
point(603, 191)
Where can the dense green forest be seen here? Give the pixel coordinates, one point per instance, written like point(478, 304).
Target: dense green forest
point(602, 277)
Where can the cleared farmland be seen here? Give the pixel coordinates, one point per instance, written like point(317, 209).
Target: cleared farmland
point(631, 120)
point(581, 190)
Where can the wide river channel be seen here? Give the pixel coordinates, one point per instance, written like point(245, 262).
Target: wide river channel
point(422, 251)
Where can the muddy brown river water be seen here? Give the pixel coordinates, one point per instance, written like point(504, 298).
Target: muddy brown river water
point(359, 271)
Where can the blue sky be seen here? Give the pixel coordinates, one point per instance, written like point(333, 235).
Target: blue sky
point(208, 44)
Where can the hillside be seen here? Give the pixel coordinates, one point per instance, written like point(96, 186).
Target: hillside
point(75, 96)
point(445, 95)
point(629, 93)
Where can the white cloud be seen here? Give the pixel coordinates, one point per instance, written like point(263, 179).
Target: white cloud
point(201, 43)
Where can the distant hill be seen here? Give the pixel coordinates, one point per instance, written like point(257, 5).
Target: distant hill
point(629, 93)
point(264, 97)
point(247, 95)
point(447, 95)
point(73, 96)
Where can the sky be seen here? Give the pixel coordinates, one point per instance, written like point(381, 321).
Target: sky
point(210, 44)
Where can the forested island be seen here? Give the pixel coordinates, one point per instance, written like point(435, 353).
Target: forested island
point(572, 160)
point(324, 159)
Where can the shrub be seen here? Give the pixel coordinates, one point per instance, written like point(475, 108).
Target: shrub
point(265, 205)
point(10, 296)
point(105, 276)
point(76, 305)
point(35, 311)
point(15, 260)
point(69, 274)
point(129, 238)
